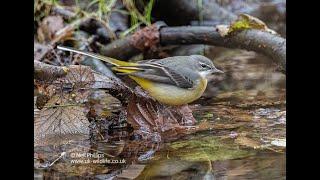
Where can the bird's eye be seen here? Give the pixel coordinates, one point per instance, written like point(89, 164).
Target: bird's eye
point(203, 65)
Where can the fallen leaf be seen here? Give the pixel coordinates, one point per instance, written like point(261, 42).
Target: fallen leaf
point(48, 27)
point(39, 51)
point(59, 121)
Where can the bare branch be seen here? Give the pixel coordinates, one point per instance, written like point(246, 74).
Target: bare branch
point(260, 41)
point(43, 70)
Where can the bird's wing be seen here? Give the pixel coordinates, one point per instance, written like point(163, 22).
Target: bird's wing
point(156, 72)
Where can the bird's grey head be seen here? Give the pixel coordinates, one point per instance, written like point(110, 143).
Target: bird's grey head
point(204, 65)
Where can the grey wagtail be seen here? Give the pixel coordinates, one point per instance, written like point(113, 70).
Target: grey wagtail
point(174, 80)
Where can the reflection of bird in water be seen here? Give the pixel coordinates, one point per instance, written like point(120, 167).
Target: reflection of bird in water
point(112, 148)
point(178, 168)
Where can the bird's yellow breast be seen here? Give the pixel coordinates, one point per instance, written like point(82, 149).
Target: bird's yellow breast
point(170, 94)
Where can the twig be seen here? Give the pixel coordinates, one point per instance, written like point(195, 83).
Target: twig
point(260, 41)
point(43, 70)
point(63, 105)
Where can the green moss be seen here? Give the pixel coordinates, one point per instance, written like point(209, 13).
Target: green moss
point(246, 21)
point(240, 25)
point(208, 115)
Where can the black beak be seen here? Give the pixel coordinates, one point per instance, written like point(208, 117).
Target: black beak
point(217, 71)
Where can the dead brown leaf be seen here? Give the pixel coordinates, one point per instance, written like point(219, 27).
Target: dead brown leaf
point(48, 28)
point(63, 116)
point(39, 51)
point(148, 117)
point(59, 120)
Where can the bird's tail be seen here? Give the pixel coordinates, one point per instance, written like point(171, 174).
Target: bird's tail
point(112, 61)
